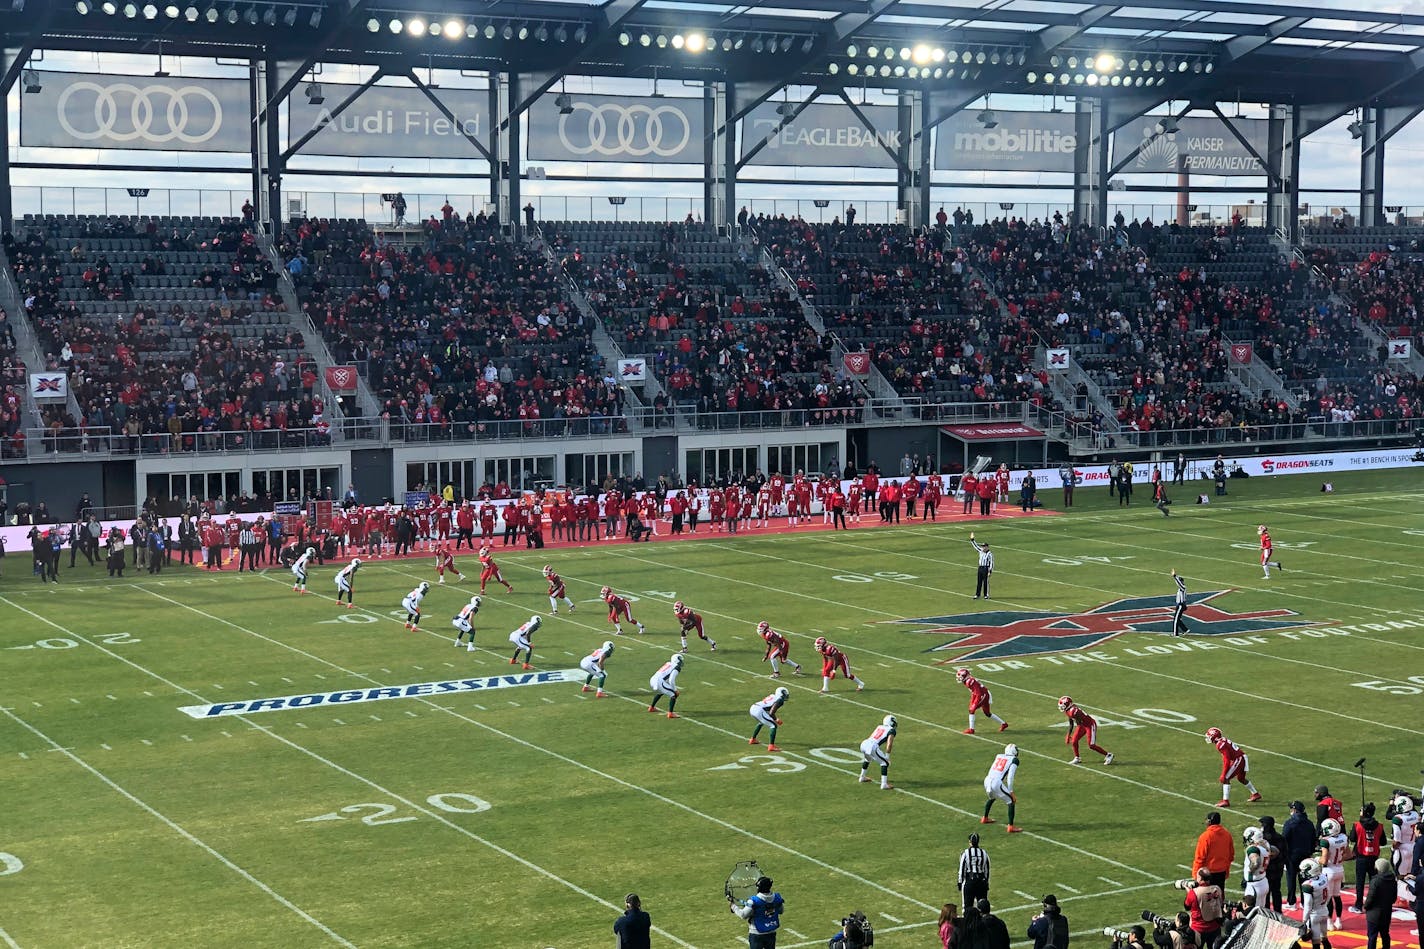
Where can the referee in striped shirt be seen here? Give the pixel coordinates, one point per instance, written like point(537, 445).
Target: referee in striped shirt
point(986, 567)
point(246, 545)
point(973, 873)
point(1179, 613)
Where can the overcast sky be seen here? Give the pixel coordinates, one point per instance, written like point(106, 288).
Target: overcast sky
point(1330, 159)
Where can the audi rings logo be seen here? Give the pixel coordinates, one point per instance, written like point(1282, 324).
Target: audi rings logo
point(633, 131)
point(155, 114)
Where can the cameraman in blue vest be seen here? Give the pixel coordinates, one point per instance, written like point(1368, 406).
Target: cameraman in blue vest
point(762, 913)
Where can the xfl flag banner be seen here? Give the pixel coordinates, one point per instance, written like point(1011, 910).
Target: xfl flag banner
point(633, 370)
point(1400, 348)
point(341, 378)
point(856, 364)
point(49, 386)
point(1058, 360)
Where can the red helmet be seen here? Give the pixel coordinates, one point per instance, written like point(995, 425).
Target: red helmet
point(961, 674)
point(1213, 734)
point(821, 644)
point(763, 628)
point(678, 607)
point(1065, 703)
point(548, 569)
point(604, 592)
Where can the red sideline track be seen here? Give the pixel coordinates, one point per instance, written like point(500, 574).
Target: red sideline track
point(779, 525)
point(1403, 934)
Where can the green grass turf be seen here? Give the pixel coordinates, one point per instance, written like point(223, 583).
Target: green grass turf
point(154, 829)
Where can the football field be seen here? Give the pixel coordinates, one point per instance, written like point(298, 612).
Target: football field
point(406, 793)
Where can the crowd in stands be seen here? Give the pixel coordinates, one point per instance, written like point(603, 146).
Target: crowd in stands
point(456, 334)
point(164, 335)
point(717, 331)
point(13, 376)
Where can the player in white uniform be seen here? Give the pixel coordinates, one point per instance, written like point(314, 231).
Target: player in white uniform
point(593, 665)
point(1404, 831)
point(876, 749)
point(521, 639)
point(464, 621)
point(664, 682)
point(299, 571)
point(1253, 865)
point(1333, 845)
point(764, 712)
point(346, 583)
point(999, 785)
point(1315, 919)
point(411, 605)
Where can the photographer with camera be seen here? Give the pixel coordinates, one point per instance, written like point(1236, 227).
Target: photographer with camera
point(1171, 932)
point(1050, 927)
point(1134, 938)
point(856, 933)
point(1205, 903)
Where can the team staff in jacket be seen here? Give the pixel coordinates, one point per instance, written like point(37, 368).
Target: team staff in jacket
point(1216, 851)
point(1379, 904)
point(1300, 837)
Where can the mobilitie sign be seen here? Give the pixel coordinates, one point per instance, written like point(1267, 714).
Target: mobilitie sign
point(1022, 141)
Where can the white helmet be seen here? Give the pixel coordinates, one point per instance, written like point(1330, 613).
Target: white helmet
point(548, 569)
point(782, 693)
point(1011, 750)
point(889, 721)
point(424, 586)
point(1310, 867)
point(1329, 827)
point(1252, 836)
point(607, 646)
point(676, 660)
point(311, 551)
point(355, 561)
point(534, 623)
point(1404, 804)
point(605, 591)
point(475, 602)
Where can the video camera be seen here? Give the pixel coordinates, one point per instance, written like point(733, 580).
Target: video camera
point(1158, 922)
point(1118, 936)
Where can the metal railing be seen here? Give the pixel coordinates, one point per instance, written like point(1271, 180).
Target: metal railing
point(1313, 431)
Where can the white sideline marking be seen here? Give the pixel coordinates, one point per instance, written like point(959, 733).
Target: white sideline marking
point(291, 681)
point(23, 756)
point(433, 815)
point(185, 738)
point(375, 718)
point(411, 714)
point(178, 829)
point(74, 700)
point(226, 734)
point(480, 707)
point(891, 918)
point(215, 685)
point(105, 747)
point(146, 692)
point(318, 675)
point(8, 940)
point(710, 685)
point(301, 724)
point(250, 682)
point(145, 741)
point(1183, 866)
point(1064, 886)
point(1027, 896)
point(338, 721)
point(1110, 882)
point(111, 698)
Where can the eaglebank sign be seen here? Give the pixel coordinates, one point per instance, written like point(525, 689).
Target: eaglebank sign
point(381, 694)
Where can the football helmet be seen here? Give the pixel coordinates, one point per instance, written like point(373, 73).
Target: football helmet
point(888, 721)
point(475, 602)
point(678, 607)
point(961, 674)
point(424, 586)
point(311, 551)
point(534, 623)
point(607, 646)
point(548, 569)
point(1011, 750)
point(604, 592)
point(1251, 835)
point(355, 561)
point(1213, 734)
point(763, 628)
point(821, 644)
point(782, 693)
point(1065, 703)
point(677, 660)
point(1404, 804)
point(1329, 827)
point(486, 550)
point(1260, 528)
point(1310, 868)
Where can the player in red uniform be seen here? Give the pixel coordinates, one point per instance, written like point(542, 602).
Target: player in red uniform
point(1081, 725)
point(443, 516)
point(618, 610)
point(1001, 483)
point(732, 498)
point(853, 493)
point(969, 484)
point(689, 621)
point(823, 494)
point(777, 484)
point(1233, 766)
point(979, 698)
point(487, 512)
point(934, 486)
point(556, 590)
point(764, 505)
point(489, 570)
point(716, 502)
point(793, 507)
point(833, 661)
point(445, 560)
point(778, 650)
point(1266, 550)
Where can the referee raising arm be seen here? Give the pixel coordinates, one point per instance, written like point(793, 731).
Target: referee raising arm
point(1179, 613)
point(986, 567)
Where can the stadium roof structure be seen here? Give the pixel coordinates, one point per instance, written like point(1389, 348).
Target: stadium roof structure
point(1207, 50)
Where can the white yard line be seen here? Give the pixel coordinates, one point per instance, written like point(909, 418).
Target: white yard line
point(180, 830)
point(432, 814)
point(8, 940)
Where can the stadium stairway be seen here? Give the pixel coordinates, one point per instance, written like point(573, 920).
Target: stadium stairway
point(314, 344)
point(1254, 377)
point(652, 386)
point(887, 401)
point(27, 345)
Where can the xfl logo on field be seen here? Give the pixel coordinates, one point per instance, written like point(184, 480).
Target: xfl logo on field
point(1006, 633)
